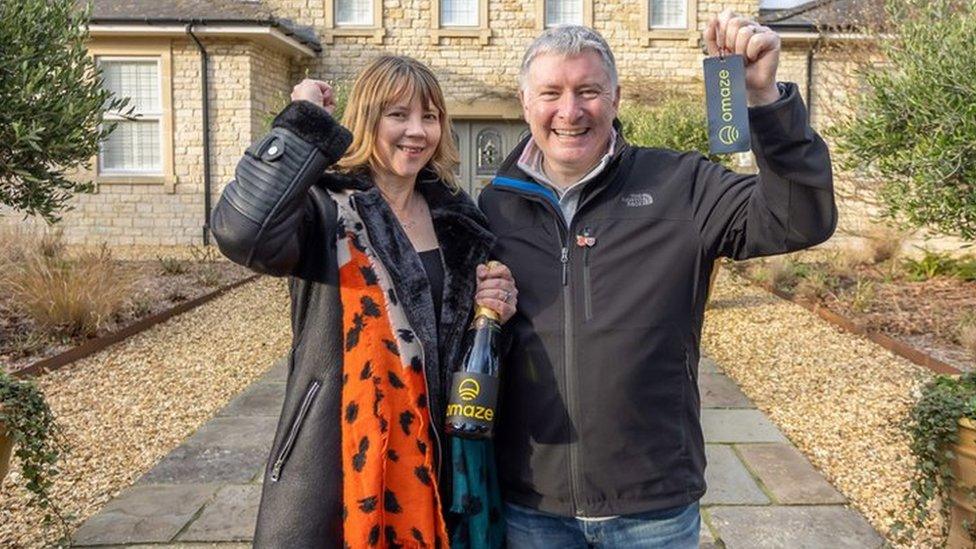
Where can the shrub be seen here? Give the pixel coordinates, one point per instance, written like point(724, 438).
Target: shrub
point(53, 102)
point(207, 272)
point(915, 124)
point(677, 122)
point(884, 242)
point(172, 266)
point(930, 265)
point(966, 332)
point(68, 297)
point(38, 441)
point(863, 295)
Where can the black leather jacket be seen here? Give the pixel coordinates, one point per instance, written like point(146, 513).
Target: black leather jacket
point(277, 217)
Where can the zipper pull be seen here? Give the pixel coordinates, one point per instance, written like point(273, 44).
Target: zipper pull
point(564, 259)
point(276, 471)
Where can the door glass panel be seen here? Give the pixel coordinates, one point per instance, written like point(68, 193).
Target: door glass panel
point(489, 152)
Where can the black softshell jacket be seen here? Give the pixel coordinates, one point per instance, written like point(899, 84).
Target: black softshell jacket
point(600, 411)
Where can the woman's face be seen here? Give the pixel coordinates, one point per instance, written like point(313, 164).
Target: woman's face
point(406, 138)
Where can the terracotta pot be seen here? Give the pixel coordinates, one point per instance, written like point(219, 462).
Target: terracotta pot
point(6, 447)
point(964, 470)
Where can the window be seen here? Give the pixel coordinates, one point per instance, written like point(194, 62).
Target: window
point(354, 18)
point(564, 12)
point(135, 147)
point(459, 19)
point(459, 13)
point(358, 13)
point(669, 14)
point(670, 20)
point(489, 145)
point(550, 13)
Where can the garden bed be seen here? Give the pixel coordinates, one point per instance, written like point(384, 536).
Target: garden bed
point(928, 303)
point(54, 300)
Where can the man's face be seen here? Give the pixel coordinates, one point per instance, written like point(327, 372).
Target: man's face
point(570, 104)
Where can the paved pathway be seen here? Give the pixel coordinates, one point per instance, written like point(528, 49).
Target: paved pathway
point(762, 492)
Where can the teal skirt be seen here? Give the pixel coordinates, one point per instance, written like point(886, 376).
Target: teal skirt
point(476, 503)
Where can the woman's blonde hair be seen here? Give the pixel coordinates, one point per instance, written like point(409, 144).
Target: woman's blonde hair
point(386, 81)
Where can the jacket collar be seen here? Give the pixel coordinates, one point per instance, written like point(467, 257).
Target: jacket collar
point(511, 177)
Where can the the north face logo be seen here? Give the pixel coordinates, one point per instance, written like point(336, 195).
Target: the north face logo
point(637, 200)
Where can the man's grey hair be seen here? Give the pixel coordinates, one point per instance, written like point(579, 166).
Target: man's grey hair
point(568, 40)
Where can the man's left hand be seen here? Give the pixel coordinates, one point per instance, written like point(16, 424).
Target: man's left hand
point(729, 33)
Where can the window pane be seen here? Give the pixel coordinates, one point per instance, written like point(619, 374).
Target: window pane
point(669, 14)
point(564, 12)
point(354, 12)
point(138, 80)
point(489, 151)
point(459, 12)
point(133, 146)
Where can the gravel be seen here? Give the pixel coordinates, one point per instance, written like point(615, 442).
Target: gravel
point(838, 397)
point(126, 407)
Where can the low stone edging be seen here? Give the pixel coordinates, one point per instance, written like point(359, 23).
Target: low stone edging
point(92, 346)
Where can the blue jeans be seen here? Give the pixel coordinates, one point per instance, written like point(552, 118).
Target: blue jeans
point(674, 528)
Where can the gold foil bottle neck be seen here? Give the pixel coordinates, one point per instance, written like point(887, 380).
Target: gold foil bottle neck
point(481, 310)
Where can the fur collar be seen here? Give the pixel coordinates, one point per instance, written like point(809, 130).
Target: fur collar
point(464, 240)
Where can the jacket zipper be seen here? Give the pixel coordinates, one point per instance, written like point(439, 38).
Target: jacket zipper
point(296, 425)
point(587, 289)
point(563, 233)
point(423, 362)
point(569, 379)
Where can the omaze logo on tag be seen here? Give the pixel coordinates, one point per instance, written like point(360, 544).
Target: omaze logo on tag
point(637, 200)
point(728, 134)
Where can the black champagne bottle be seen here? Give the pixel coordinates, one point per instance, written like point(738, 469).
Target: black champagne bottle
point(472, 403)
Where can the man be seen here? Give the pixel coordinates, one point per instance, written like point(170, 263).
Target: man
point(611, 246)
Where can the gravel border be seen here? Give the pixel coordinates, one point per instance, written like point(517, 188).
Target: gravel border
point(126, 407)
point(838, 397)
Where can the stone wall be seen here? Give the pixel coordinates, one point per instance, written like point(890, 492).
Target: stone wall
point(244, 82)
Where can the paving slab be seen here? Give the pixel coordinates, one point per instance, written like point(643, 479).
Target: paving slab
point(718, 391)
point(189, 464)
point(235, 432)
point(728, 480)
point(278, 373)
point(230, 517)
point(787, 475)
point(708, 366)
point(732, 426)
point(258, 400)
point(706, 540)
point(145, 514)
point(796, 527)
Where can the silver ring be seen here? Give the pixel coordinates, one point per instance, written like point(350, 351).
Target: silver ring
point(508, 295)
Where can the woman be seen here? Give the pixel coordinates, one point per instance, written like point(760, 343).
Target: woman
point(382, 251)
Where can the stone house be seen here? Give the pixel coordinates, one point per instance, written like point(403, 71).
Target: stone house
point(233, 63)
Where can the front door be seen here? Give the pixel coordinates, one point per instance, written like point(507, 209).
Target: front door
point(483, 145)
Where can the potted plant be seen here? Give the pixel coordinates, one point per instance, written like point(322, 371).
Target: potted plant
point(942, 433)
point(28, 426)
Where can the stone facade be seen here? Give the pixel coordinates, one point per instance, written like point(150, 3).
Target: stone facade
point(250, 82)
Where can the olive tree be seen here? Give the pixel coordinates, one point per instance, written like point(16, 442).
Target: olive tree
point(51, 105)
point(915, 126)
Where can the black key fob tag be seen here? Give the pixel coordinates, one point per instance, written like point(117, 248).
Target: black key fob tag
point(725, 98)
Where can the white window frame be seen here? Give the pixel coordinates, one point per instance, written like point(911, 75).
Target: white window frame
point(355, 24)
point(374, 31)
point(541, 16)
point(473, 24)
point(479, 30)
point(156, 116)
point(680, 26)
point(689, 33)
